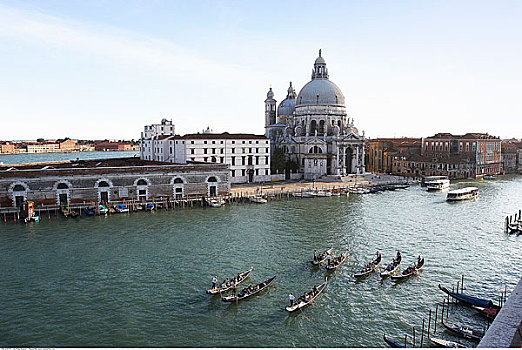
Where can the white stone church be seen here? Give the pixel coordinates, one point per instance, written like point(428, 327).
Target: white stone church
point(313, 128)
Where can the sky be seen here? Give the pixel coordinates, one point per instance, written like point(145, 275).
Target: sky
point(105, 68)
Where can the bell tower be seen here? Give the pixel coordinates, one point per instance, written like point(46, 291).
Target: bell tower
point(270, 111)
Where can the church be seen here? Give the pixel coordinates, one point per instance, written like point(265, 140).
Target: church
point(313, 130)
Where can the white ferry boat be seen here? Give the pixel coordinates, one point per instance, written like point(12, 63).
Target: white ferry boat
point(463, 194)
point(436, 183)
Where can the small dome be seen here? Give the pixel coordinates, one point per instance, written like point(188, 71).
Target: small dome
point(286, 107)
point(320, 60)
point(320, 92)
point(164, 121)
point(270, 94)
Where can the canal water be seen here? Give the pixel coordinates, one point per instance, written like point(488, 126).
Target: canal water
point(7, 159)
point(139, 279)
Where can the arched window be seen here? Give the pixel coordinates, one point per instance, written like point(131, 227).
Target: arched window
point(313, 127)
point(178, 180)
point(315, 149)
point(62, 186)
point(103, 184)
point(321, 126)
point(212, 179)
point(142, 182)
point(18, 188)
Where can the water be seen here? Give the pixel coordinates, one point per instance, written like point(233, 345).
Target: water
point(52, 157)
point(139, 279)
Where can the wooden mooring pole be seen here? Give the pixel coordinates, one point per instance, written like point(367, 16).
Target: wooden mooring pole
point(422, 334)
point(457, 291)
point(429, 323)
point(413, 336)
point(462, 285)
point(435, 320)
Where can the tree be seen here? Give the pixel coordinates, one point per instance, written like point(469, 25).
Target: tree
point(278, 161)
point(40, 139)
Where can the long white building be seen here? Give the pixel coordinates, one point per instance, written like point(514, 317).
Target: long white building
point(247, 155)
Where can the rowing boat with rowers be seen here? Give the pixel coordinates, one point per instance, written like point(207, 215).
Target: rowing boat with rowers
point(221, 289)
point(393, 267)
point(337, 261)
point(319, 259)
point(410, 270)
point(249, 291)
point(307, 298)
point(370, 267)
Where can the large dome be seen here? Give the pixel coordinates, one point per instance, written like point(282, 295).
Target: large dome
point(320, 92)
point(286, 107)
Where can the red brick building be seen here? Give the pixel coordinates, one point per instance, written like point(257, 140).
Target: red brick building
point(6, 147)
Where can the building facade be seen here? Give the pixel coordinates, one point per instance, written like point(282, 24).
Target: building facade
point(6, 147)
point(482, 149)
point(247, 155)
point(313, 129)
point(383, 152)
point(107, 181)
point(509, 156)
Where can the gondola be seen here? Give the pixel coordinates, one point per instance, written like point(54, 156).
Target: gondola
point(301, 304)
point(322, 257)
point(392, 343)
point(89, 211)
point(469, 300)
point(393, 267)
point(218, 290)
point(464, 332)
point(410, 271)
point(245, 293)
point(372, 266)
point(489, 312)
point(120, 208)
point(443, 343)
point(336, 263)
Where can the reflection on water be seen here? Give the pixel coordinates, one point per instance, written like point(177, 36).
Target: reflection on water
point(140, 279)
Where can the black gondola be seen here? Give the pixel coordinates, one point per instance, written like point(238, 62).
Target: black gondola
point(370, 267)
point(393, 267)
point(464, 332)
point(392, 343)
point(338, 261)
point(249, 291)
point(410, 271)
point(218, 290)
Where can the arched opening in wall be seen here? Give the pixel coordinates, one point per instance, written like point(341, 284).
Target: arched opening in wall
point(142, 190)
point(313, 126)
point(321, 126)
point(178, 188)
point(315, 149)
point(213, 159)
point(62, 190)
point(212, 186)
point(19, 195)
point(250, 175)
point(103, 189)
point(250, 160)
point(339, 124)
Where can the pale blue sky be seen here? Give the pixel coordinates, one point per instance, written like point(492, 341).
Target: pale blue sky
point(103, 69)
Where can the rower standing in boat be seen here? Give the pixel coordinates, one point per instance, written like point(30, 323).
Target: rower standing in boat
point(315, 254)
point(328, 257)
point(214, 281)
point(292, 299)
point(234, 287)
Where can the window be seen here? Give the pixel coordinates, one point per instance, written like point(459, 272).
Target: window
point(233, 142)
point(192, 142)
point(213, 151)
point(243, 142)
point(243, 160)
point(205, 142)
point(221, 142)
point(267, 149)
point(233, 173)
point(233, 160)
point(250, 150)
point(266, 142)
point(204, 150)
point(221, 159)
point(257, 160)
point(213, 142)
point(192, 151)
point(257, 142)
point(250, 142)
point(205, 159)
point(232, 150)
point(266, 160)
point(243, 172)
point(222, 150)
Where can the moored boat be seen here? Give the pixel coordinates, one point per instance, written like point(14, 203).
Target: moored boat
point(89, 211)
point(318, 259)
point(120, 208)
point(337, 261)
point(149, 206)
point(370, 267)
point(102, 209)
point(410, 270)
point(446, 343)
point(464, 332)
point(489, 312)
point(238, 279)
point(463, 194)
point(249, 291)
point(258, 199)
point(307, 298)
point(469, 300)
point(392, 343)
point(393, 267)
point(214, 203)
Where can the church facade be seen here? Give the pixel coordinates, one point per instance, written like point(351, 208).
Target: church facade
point(313, 130)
